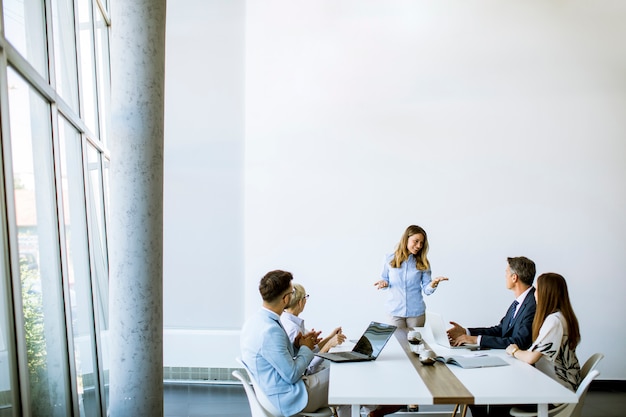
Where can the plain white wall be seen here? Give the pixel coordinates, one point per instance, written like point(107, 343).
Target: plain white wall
point(497, 126)
point(203, 210)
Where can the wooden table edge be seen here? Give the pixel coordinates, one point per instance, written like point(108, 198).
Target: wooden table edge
point(443, 385)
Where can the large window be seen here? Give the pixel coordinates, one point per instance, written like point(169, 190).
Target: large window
point(38, 250)
point(78, 270)
point(54, 98)
point(24, 26)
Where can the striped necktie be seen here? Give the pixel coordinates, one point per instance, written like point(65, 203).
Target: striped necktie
point(511, 313)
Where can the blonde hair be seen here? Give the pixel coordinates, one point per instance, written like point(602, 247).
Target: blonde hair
point(299, 294)
point(402, 253)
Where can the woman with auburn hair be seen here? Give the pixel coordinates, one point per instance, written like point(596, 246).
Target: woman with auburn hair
point(556, 333)
point(406, 273)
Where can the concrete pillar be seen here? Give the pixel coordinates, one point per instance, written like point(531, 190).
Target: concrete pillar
point(136, 211)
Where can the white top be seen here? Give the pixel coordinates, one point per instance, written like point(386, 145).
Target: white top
point(294, 325)
point(557, 360)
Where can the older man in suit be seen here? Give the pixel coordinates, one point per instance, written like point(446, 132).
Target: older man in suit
point(515, 326)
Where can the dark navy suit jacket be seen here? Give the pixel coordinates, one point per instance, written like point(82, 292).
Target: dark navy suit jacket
point(520, 333)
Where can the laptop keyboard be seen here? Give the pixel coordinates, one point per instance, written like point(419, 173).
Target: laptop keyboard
point(347, 355)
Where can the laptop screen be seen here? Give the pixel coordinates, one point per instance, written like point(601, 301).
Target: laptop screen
point(437, 327)
point(374, 339)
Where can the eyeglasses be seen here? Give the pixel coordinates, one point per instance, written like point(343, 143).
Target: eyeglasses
point(306, 296)
point(291, 293)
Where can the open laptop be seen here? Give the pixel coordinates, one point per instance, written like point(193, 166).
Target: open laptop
point(437, 327)
point(368, 347)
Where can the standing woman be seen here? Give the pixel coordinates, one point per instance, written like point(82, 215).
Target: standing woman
point(406, 273)
point(555, 333)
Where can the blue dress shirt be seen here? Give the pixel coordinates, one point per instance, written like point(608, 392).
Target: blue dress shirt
point(406, 285)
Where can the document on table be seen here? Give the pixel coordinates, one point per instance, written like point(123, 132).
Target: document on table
point(473, 361)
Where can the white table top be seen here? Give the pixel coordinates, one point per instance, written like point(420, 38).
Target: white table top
point(392, 379)
point(518, 383)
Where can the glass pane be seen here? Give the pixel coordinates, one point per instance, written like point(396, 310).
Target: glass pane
point(24, 27)
point(40, 278)
point(101, 264)
point(65, 51)
point(106, 163)
point(75, 224)
point(87, 66)
point(104, 77)
point(6, 402)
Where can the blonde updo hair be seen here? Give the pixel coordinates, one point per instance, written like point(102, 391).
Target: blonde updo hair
point(299, 294)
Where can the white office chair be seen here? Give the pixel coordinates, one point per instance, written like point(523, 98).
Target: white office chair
point(590, 364)
point(569, 410)
point(564, 410)
point(260, 405)
point(256, 408)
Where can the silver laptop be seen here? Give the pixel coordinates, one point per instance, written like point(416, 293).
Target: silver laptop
point(368, 347)
point(437, 326)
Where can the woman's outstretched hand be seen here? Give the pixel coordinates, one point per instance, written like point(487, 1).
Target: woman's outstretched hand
point(381, 284)
point(437, 280)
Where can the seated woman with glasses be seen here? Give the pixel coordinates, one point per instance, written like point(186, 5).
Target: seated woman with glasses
point(294, 325)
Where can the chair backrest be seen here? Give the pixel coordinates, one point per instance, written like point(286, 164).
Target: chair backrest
point(590, 364)
point(260, 395)
point(256, 408)
point(260, 402)
point(575, 410)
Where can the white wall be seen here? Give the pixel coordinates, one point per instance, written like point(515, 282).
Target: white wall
point(499, 127)
point(203, 210)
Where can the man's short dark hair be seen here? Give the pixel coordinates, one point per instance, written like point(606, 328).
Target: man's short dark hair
point(274, 284)
point(524, 268)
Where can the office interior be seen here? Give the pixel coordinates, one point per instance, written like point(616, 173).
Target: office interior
point(302, 136)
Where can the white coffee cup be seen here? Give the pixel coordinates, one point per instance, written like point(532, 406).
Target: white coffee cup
point(414, 336)
point(417, 349)
point(427, 357)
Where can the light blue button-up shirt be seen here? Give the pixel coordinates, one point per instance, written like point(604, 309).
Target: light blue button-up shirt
point(274, 362)
point(406, 285)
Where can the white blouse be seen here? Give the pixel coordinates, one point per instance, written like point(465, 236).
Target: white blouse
point(557, 361)
point(294, 325)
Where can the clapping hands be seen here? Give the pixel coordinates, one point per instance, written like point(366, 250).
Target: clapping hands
point(309, 339)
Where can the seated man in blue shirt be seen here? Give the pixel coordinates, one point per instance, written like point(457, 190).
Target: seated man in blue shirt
point(277, 365)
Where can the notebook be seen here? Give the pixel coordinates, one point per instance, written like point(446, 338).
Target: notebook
point(473, 361)
point(368, 347)
point(437, 327)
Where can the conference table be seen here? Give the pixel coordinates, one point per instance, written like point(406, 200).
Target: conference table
point(398, 377)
